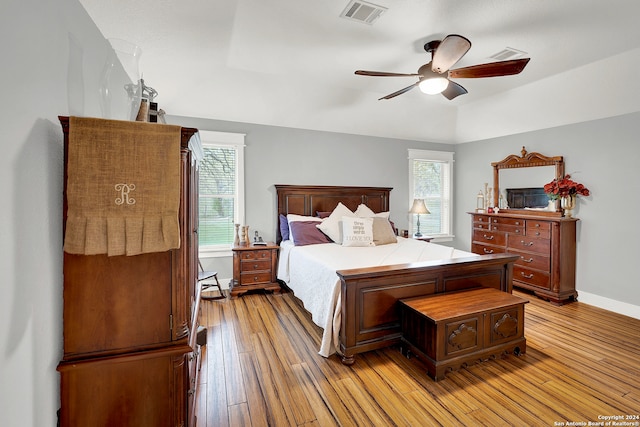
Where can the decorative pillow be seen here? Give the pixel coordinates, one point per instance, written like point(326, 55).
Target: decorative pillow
point(393, 226)
point(383, 233)
point(332, 225)
point(357, 231)
point(306, 233)
point(365, 211)
point(284, 227)
point(294, 218)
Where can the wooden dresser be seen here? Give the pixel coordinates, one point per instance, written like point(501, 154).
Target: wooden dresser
point(130, 353)
point(254, 267)
point(546, 246)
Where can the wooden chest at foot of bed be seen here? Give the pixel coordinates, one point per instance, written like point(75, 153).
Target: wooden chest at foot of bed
point(449, 331)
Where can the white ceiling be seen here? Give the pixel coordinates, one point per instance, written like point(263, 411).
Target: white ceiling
point(291, 62)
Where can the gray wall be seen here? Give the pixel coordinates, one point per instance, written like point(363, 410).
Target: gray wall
point(276, 155)
point(44, 44)
point(603, 155)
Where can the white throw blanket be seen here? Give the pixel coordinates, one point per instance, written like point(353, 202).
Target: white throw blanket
point(310, 272)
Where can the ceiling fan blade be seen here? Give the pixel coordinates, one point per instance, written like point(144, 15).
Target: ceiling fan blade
point(491, 69)
point(453, 90)
point(400, 92)
point(384, 74)
point(449, 51)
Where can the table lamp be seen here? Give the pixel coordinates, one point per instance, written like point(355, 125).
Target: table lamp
point(418, 208)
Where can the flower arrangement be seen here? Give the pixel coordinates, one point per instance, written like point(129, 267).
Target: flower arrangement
point(559, 188)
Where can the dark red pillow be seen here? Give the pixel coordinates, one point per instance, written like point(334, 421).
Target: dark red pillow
point(306, 233)
point(393, 226)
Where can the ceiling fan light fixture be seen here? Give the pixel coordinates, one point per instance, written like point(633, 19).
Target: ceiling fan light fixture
point(433, 85)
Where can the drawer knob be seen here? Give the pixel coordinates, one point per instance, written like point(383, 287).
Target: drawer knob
point(255, 266)
point(526, 260)
point(517, 230)
point(537, 225)
point(517, 222)
point(488, 237)
point(255, 278)
point(527, 276)
point(526, 244)
point(487, 251)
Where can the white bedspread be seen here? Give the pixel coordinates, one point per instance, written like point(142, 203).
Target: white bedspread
point(310, 272)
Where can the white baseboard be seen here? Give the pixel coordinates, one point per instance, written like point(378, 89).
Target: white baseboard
point(609, 304)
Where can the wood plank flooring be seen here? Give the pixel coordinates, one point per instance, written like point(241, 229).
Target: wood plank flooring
point(260, 367)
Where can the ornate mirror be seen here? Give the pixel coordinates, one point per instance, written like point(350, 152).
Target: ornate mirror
point(526, 160)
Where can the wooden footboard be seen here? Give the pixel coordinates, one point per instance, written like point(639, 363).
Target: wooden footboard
point(370, 315)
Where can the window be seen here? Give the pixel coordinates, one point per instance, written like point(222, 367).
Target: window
point(221, 197)
point(430, 178)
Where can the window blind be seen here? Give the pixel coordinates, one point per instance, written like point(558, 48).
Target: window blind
point(218, 193)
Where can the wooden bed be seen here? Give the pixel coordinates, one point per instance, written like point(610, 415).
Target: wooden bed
point(370, 316)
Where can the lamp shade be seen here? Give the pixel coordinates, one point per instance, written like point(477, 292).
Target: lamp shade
point(419, 207)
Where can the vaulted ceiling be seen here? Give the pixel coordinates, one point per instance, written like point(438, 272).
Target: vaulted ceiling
point(291, 62)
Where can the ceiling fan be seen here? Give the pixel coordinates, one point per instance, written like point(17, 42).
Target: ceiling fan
point(434, 77)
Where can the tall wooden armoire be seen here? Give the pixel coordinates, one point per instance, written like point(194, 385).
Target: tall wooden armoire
point(130, 320)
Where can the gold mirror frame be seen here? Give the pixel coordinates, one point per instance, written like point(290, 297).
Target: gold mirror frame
point(526, 160)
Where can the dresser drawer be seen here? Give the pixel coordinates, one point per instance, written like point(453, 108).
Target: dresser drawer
point(531, 277)
point(255, 265)
point(531, 260)
point(489, 237)
point(482, 225)
point(526, 243)
point(253, 278)
point(539, 229)
point(256, 255)
point(479, 248)
point(509, 228)
point(515, 222)
point(480, 219)
point(507, 225)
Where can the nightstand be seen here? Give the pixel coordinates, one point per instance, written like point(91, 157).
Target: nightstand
point(254, 267)
point(423, 238)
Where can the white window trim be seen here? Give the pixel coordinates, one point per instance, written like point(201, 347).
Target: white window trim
point(443, 156)
point(214, 138)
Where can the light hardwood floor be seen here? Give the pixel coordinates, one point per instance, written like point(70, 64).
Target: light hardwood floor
point(261, 368)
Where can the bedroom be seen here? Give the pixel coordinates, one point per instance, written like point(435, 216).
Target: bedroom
point(601, 145)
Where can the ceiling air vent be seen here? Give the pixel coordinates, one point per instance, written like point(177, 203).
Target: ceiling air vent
point(361, 11)
point(508, 53)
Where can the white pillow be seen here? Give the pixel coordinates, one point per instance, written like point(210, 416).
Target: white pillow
point(365, 211)
point(294, 217)
point(357, 231)
point(332, 225)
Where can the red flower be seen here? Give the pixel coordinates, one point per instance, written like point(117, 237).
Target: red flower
point(564, 187)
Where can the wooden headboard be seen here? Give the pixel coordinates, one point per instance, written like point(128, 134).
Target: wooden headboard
point(309, 199)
